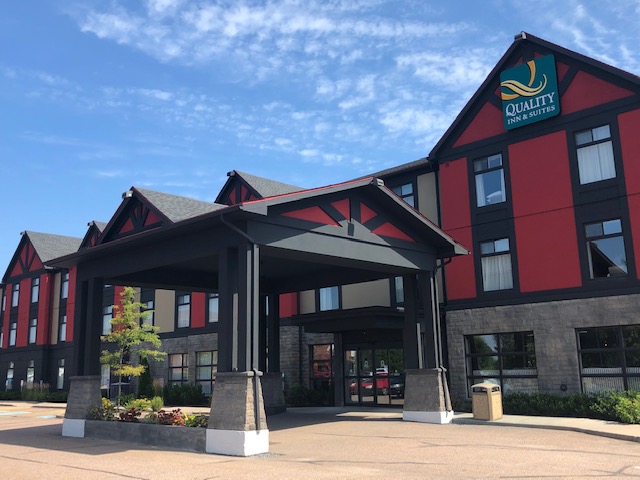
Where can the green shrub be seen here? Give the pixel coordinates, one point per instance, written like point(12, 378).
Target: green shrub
point(172, 417)
point(157, 403)
point(301, 396)
point(126, 398)
point(200, 421)
point(57, 397)
point(10, 395)
point(145, 387)
point(141, 404)
point(185, 395)
point(106, 411)
point(35, 392)
point(131, 415)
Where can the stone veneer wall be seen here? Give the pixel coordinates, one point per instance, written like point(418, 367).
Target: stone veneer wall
point(294, 353)
point(554, 327)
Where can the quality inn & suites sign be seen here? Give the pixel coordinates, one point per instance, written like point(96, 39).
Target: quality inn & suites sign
point(529, 92)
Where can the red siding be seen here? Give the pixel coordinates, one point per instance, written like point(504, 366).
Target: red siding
point(24, 301)
point(629, 124)
point(487, 123)
point(587, 91)
point(543, 210)
point(198, 303)
point(288, 305)
point(71, 304)
point(44, 310)
point(456, 221)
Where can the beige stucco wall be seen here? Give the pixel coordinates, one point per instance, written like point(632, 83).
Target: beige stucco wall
point(427, 196)
point(367, 294)
point(55, 311)
point(307, 301)
point(165, 306)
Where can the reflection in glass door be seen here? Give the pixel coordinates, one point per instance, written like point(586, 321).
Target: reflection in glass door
point(374, 376)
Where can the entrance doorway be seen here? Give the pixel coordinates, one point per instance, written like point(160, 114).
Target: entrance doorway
point(373, 375)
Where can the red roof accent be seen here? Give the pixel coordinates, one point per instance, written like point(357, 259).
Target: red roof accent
point(487, 123)
point(366, 213)
point(152, 218)
point(344, 207)
point(127, 227)
point(588, 91)
point(390, 230)
point(312, 214)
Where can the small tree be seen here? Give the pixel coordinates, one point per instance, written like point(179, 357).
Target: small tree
point(128, 330)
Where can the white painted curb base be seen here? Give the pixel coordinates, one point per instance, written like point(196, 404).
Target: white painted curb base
point(73, 427)
point(236, 442)
point(428, 417)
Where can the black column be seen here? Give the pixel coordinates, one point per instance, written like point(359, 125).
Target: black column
point(410, 333)
point(431, 342)
point(273, 329)
point(87, 326)
point(262, 348)
point(227, 321)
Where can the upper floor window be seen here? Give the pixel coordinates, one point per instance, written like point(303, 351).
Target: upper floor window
point(496, 265)
point(329, 298)
point(33, 330)
point(107, 315)
point(184, 310)
point(64, 291)
point(4, 300)
point(605, 248)
point(13, 329)
point(62, 329)
point(490, 188)
point(148, 314)
point(213, 302)
point(595, 155)
point(405, 192)
point(35, 289)
point(398, 290)
point(15, 294)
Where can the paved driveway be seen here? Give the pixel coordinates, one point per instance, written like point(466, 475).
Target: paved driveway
point(323, 446)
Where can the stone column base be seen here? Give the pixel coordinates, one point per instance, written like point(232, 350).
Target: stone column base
point(237, 443)
point(428, 417)
point(426, 398)
point(73, 427)
point(84, 394)
point(273, 393)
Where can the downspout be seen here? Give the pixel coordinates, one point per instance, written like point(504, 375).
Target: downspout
point(436, 302)
point(254, 331)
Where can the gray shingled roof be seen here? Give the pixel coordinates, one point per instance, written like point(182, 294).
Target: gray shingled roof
point(266, 187)
point(50, 246)
point(177, 208)
point(400, 168)
point(100, 225)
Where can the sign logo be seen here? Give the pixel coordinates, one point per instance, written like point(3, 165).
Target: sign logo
point(529, 92)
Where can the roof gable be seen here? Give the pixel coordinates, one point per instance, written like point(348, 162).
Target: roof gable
point(143, 210)
point(93, 234)
point(36, 249)
point(583, 83)
point(243, 187)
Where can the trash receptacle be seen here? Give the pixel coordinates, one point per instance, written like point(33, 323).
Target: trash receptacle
point(486, 402)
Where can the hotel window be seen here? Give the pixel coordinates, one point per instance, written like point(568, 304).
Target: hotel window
point(184, 310)
point(107, 315)
point(60, 376)
point(15, 295)
point(105, 378)
point(595, 155)
point(609, 358)
point(489, 174)
point(1, 335)
point(35, 289)
point(321, 366)
point(147, 317)
point(62, 329)
point(206, 368)
point(13, 328)
point(496, 265)
point(398, 291)
point(178, 368)
point(213, 305)
point(8, 384)
point(506, 359)
point(4, 299)
point(33, 330)
point(31, 372)
point(64, 290)
point(405, 192)
point(329, 298)
point(605, 249)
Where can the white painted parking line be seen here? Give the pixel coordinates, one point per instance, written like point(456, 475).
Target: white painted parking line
point(13, 413)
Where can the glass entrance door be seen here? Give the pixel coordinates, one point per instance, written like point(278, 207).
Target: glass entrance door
point(373, 375)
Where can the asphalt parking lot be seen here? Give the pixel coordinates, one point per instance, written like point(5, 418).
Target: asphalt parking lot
point(352, 445)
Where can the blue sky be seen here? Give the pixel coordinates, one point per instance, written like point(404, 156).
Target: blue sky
point(97, 96)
